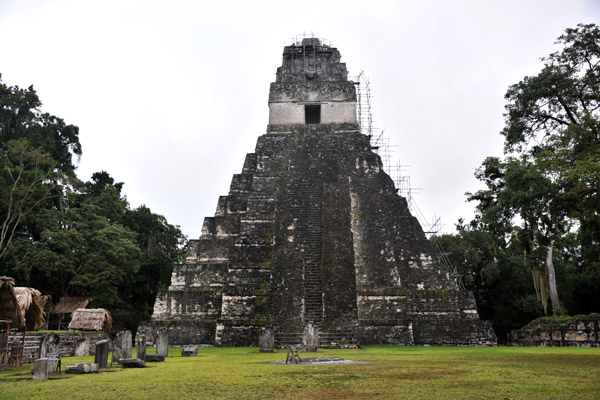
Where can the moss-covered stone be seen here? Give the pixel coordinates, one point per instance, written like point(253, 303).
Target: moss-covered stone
point(312, 230)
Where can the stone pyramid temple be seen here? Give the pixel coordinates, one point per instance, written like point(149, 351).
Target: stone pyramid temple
point(313, 231)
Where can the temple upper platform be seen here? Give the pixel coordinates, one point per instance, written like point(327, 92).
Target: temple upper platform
point(312, 87)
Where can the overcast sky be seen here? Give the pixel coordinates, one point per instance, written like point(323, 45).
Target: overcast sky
point(169, 96)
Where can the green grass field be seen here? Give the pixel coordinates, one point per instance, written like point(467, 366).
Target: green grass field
point(395, 373)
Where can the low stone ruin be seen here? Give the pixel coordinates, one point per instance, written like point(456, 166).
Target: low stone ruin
point(189, 351)
point(578, 331)
point(155, 358)
point(81, 368)
point(38, 344)
point(132, 363)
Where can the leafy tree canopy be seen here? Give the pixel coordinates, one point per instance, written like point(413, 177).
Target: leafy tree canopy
point(67, 237)
point(21, 118)
point(538, 216)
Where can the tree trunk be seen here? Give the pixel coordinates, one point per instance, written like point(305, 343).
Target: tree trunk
point(552, 281)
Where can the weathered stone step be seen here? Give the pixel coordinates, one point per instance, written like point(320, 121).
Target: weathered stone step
point(312, 294)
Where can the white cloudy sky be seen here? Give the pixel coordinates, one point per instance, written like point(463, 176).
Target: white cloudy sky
point(170, 95)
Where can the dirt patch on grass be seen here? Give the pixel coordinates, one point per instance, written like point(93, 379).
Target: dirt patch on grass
point(320, 361)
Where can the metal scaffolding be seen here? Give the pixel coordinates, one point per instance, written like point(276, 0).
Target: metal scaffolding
point(380, 144)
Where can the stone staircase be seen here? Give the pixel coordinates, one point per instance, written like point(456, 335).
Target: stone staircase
point(285, 340)
point(308, 192)
point(332, 339)
point(312, 241)
point(338, 339)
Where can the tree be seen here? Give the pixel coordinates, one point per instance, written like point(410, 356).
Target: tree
point(555, 118)
point(77, 250)
point(21, 118)
point(518, 190)
point(162, 245)
point(566, 93)
point(36, 151)
point(72, 238)
point(503, 289)
point(549, 182)
point(26, 181)
point(81, 253)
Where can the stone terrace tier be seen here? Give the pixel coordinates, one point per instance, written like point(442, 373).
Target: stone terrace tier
point(313, 230)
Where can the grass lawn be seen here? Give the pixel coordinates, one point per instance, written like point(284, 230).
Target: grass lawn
point(396, 373)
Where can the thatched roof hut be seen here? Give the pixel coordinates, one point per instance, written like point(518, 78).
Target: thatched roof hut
point(9, 305)
point(90, 319)
point(28, 300)
point(68, 305)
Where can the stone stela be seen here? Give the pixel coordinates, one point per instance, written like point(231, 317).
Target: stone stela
point(101, 355)
point(162, 343)
point(313, 230)
point(141, 347)
point(266, 341)
point(122, 346)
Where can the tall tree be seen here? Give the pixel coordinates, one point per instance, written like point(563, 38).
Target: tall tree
point(549, 182)
point(26, 178)
point(36, 155)
point(162, 245)
point(72, 238)
point(21, 118)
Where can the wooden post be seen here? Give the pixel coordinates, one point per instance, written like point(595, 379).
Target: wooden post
point(22, 347)
point(4, 347)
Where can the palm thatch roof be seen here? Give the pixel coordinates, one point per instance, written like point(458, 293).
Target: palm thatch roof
point(68, 305)
point(9, 305)
point(46, 303)
point(90, 319)
point(28, 300)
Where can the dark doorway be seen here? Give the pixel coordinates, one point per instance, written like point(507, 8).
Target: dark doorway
point(312, 114)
